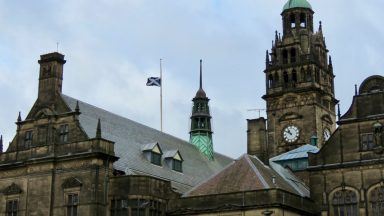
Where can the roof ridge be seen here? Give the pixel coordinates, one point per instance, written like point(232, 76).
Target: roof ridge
point(256, 170)
point(170, 135)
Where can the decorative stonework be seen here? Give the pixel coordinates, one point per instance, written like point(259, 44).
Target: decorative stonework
point(72, 183)
point(12, 189)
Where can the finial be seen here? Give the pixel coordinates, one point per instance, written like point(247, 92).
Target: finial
point(77, 109)
point(19, 117)
point(267, 58)
point(279, 36)
point(355, 89)
point(320, 26)
point(201, 74)
point(1, 144)
point(338, 111)
point(276, 36)
point(98, 129)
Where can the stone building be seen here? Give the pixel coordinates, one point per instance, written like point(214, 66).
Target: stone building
point(346, 175)
point(299, 87)
point(71, 158)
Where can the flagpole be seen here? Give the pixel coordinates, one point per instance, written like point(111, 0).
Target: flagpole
point(161, 96)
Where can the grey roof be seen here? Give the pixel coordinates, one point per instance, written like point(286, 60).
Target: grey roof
point(130, 137)
point(298, 153)
point(300, 187)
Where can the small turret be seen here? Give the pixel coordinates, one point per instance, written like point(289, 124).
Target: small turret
point(201, 132)
point(19, 117)
point(98, 130)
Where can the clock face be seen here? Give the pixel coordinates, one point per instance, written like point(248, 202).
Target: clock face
point(291, 134)
point(326, 134)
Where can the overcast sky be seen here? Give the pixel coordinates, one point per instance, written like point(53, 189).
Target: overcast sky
point(112, 46)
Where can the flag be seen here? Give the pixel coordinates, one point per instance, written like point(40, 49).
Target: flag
point(154, 81)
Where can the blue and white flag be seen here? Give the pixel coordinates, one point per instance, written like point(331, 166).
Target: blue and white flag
point(154, 81)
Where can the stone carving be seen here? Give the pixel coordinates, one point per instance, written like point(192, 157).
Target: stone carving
point(12, 189)
point(71, 183)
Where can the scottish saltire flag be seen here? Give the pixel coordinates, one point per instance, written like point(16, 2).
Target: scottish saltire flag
point(154, 81)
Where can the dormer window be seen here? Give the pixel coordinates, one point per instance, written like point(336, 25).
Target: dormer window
point(174, 160)
point(28, 139)
point(177, 165)
point(64, 131)
point(156, 158)
point(153, 153)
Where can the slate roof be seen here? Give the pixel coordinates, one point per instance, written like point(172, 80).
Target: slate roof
point(301, 152)
point(247, 173)
point(130, 137)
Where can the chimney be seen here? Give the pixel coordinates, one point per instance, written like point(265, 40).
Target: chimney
point(256, 139)
point(51, 76)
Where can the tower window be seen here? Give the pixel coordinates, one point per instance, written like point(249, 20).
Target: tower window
point(293, 21)
point(64, 131)
point(28, 139)
point(270, 81)
point(285, 56)
point(11, 208)
point(309, 75)
point(72, 203)
point(294, 76)
point(293, 55)
point(286, 79)
point(303, 20)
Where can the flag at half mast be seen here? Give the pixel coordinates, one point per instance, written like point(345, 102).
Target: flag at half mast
point(154, 81)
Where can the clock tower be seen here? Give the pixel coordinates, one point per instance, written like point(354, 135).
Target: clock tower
point(299, 84)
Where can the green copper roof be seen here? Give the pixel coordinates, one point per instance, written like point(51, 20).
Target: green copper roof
point(297, 4)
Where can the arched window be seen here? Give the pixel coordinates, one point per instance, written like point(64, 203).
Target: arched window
point(344, 203)
point(286, 78)
point(303, 20)
point(377, 201)
point(293, 55)
point(285, 56)
point(293, 20)
point(303, 75)
point(277, 79)
point(270, 81)
point(309, 75)
point(294, 76)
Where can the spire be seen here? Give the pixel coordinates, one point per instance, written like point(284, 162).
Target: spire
point(267, 58)
point(320, 27)
point(201, 93)
point(338, 111)
point(355, 89)
point(1, 144)
point(98, 130)
point(77, 109)
point(201, 74)
point(19, 117)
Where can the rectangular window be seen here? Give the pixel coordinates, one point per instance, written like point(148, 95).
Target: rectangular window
point(367, 142)
point(156, 158)
point(12, 208)
point(64, 131)
point(177, 165)
point(28, 139)
point(119, 207)
point(72, 203)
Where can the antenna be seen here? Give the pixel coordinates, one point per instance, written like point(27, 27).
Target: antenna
point(257, 110)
